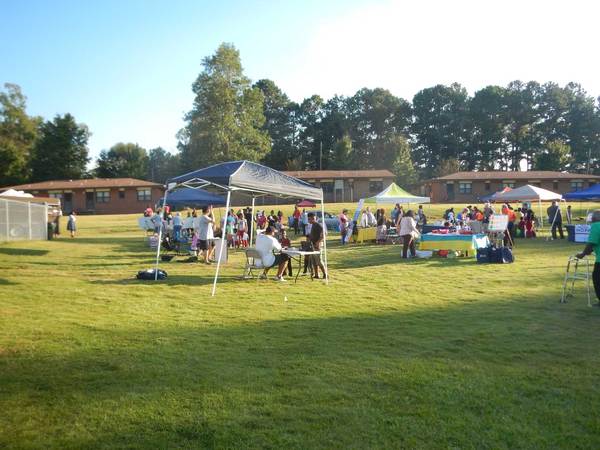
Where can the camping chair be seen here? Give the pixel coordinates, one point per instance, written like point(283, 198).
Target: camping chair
point(253, 262)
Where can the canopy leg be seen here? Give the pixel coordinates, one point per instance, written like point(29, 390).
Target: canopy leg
point(251, 227)
point(223, 242)
point(162, 212)
point(324, 242)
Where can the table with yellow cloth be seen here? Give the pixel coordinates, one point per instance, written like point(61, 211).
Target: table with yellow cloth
point(365, 234)
point(453, 241)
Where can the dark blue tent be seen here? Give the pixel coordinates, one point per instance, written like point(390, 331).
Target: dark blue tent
point(591, 193)
point(192, 198)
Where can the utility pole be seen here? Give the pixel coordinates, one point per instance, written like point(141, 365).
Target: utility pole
point(321, 155)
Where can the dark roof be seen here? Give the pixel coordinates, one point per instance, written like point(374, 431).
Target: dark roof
point(505, 175)
point(324, 174)
point(248, 178)
point(83, 184)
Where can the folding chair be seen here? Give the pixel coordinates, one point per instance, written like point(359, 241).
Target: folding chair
point(253, 262)
point(576, 275)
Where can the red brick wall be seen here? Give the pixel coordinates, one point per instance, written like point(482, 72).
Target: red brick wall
point(116, 205)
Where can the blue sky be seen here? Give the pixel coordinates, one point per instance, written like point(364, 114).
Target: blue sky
point(125, 68)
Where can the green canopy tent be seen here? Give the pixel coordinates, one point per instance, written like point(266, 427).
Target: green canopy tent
point(394, 194)
point(389, 196)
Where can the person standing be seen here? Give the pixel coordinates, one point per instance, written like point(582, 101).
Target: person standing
point(409, 233)
point(206, 233)
point(249, 221)
point(555, 219)
point(304, 222)
point(296, 218)
point(72, 223)
point(343, 225)
point(569, 216)
point(593, 245)
point(316, 237)
point(177, 226)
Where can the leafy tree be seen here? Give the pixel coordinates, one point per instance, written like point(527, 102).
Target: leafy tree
point(376, 117)
point(555, 156)
point(439, 126)
point(403, 166)
point(227, 117)
point(447, 167)
point(280, 124)
point(310, 114)
point(61, 151)
point(342, 154)
point(123, 161)
point(486, 126)
point(162, 165)
point(18, 133)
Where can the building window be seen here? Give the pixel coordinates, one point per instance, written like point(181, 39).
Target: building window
point(555, 185)
point(327, 187)
point(576, 185)
point(375, 187)
point(464, 187)
point(55, 194)
point(488, 186)
point(102, 196)
point(121, 195)
point(508, 184)
point(144, 195)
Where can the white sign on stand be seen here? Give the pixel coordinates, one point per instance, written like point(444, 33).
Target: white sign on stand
point(498, 223)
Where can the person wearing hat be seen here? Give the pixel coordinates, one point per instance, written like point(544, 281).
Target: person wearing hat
point(593, 245)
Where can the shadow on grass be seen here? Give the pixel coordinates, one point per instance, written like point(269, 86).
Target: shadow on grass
point(129, 244)
point(5, 282)
point(12, 251)
point(485, 373)
point(174, 280)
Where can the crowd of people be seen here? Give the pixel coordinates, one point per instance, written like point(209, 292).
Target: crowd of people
point(270, 230)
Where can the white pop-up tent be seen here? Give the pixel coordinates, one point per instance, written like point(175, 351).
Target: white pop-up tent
point(250, 179)
point(528, 193)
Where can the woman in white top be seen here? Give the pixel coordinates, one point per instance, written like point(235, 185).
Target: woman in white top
point(409, 233)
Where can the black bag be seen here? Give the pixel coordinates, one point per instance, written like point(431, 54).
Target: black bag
point(483, 255)
point(506, 256)
point(306, 246)
point(150, 274)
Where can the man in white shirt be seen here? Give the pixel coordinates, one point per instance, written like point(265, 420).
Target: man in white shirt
point(265, 245)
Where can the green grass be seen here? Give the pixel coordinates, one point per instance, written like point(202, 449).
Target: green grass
point(420, 354)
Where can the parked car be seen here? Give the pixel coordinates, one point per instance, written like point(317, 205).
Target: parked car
point(331, 221)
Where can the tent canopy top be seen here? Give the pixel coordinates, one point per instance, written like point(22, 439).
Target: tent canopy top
point(395, 194)
point(193, 198)
point(246, 177)
point(527, 192)
point(591, 193)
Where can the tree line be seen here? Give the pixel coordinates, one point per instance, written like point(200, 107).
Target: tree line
point(443, 130)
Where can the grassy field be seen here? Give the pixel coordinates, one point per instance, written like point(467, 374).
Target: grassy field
point(439, 353)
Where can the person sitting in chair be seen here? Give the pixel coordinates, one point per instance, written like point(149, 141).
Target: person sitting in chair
point(265, 245)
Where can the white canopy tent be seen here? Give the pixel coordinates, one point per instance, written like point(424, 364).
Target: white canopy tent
point(528, 193)
point(250, 179)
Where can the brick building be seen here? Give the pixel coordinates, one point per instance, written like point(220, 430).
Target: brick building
point(346, 185)
point(98, 195)
point(466, 187)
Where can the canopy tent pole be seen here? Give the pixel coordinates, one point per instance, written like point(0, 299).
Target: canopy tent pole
point(541, 216)
point(324, 240)
point(251, 227)
point(162, 211)
point(223, 242)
